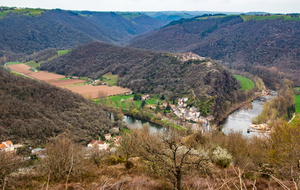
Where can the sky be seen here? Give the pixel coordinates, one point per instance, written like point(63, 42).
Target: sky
point(272, 6)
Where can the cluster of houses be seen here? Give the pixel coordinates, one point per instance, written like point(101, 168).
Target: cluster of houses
point(182, 112)
point(98, 82)
point(146, 97)
point(188, 56)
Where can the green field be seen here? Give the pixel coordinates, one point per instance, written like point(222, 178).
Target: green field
point(66, 78)
point(297, 103)
point(246, 83)
point(254, 17)
point(13, 63)
point(203, 18)
point(129, 15)
point(62, 52)
point(27, 11)
point(110, 79)
point(32, 64)
point(117, 100)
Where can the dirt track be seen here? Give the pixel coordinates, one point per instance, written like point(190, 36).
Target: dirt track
point(89, 91)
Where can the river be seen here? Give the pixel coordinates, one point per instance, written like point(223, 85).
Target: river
point(241, 119)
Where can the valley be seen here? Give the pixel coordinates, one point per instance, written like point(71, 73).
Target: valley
point(103, 98)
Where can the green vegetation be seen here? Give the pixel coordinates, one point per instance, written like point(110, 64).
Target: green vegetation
point(62, 52)
point(254, 17)
point(27, 11)
point(297, 103)
point(32, 64)
point(110, 79)
point(66, 78)
point(128, 15)
point(246, 83)
point(13, 63)
point(203, 18)
point(121, 104)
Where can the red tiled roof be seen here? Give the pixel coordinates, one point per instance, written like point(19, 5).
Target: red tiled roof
point(97, 142)
point(107, 135)
point(2, 146)
point(8, 143)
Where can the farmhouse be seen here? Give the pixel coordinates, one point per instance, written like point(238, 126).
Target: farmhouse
point(146, 97)
point(99, 144)
point(7, 146)
point(107, 137)
point(116, 129)
point(117, 139)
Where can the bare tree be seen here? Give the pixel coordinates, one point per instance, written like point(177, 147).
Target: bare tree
point(170, 151)
point(64, 160)
point(9, 163)
point(97, 156)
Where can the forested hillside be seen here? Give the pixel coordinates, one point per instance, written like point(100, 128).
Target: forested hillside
point(151, 72)
point(25, 31)
point(32, 112)
point(268, 47)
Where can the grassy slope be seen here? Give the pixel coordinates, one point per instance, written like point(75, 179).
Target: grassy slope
point(33, 64)
point(246, 83)
point(297, 103)
point(110, 79)
point(27, 11)
point(117, 100)
point(286, 17)
point(62, 52)
point(13, 63)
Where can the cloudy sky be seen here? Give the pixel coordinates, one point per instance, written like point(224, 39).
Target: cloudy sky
point(273, 6)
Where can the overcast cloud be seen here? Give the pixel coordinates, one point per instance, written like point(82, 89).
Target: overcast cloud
point(273, 6)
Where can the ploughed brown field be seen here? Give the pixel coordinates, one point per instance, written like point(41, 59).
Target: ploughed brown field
point(21, 68)
point(62, 83)
point(89, 91)
point(45, 76)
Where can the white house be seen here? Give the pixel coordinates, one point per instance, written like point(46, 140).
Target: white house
point(7, 146)
point(107, 137)
point(100, 144)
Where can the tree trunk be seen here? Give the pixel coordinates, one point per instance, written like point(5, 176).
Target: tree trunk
point(178, 179)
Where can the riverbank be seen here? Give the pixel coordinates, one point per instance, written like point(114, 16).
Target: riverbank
point(240, 105)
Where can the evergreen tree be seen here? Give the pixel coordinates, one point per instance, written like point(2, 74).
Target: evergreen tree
point(162, 97)
point(168, 107)
point(143, 103)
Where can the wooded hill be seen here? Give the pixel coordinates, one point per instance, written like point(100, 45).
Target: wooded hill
point(150, 72)
point(267, 47)
point(25, 32)
point(32, 112)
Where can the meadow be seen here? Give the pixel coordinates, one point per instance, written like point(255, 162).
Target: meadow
point(246, 83)
point(297, 103)
point(254, 17)
point(62, 52)
point(118, 103)
point(13, 63)
point(110, 79)
point(27, 11)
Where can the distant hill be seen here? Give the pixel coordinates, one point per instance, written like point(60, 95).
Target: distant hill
point(25, 31)
point(151, 72)
point(32, 112)
point(177, 15)
point(266, 45)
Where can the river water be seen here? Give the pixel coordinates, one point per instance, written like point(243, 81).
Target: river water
point(241, 119)
point(133, 122)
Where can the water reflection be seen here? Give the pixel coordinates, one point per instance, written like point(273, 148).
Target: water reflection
point(241, 119)
point(132, 122)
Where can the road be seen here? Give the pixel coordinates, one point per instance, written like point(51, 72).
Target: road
point(19, 73)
